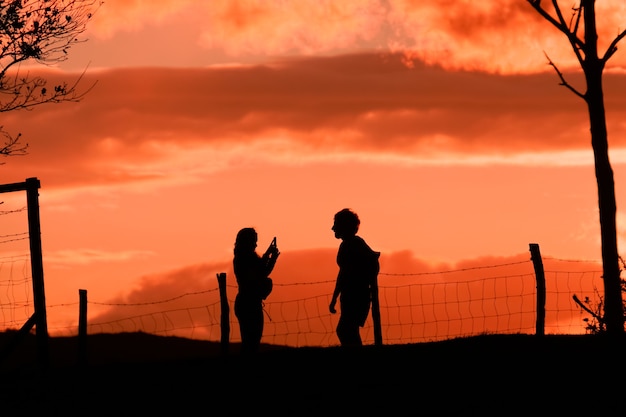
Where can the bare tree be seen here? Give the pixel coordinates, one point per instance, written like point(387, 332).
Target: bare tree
point(42, 31)
point(581, 32)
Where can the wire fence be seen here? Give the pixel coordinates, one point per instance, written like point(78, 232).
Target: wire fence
point(16, 288)
point(414, 307)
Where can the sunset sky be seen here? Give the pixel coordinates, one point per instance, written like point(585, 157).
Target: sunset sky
point(440, 123)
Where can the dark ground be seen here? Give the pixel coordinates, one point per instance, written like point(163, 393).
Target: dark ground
point(492, 375)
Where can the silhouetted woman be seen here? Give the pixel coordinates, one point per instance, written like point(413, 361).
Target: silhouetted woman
point(354, 280)
point(251, 272)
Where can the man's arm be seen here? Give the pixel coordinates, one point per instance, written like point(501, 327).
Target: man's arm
point(336, 292)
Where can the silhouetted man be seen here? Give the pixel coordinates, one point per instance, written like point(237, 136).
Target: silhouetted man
point(357, 263)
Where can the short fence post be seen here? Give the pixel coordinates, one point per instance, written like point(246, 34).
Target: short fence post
point(540, 277)
point(378, 336)
point(82, 327)
point(225, 310)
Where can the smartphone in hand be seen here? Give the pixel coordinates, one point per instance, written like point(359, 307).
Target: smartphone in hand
point(273, 248)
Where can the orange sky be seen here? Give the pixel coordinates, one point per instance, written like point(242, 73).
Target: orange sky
point(440, 123)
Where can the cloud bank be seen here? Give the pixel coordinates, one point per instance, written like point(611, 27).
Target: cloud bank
point(495, 36)
point(156, 123)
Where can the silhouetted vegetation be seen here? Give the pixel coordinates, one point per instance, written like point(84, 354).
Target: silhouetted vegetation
point(40, 31)
point(596, 323)
point(138, 373)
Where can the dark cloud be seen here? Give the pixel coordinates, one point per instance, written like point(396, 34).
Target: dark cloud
point(354, 104)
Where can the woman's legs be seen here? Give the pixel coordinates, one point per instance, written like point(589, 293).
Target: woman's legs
point(250, 319)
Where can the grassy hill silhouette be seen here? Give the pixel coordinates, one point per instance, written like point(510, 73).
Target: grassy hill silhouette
point(138, 373)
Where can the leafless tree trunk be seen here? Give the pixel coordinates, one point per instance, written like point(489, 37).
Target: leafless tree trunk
point(586, 50)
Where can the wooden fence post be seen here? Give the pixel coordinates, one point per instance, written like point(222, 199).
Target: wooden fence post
point(378, 335)
point(540, 277)
point(82, 327)
point(225, 310)
point(38, 319)
point(36, 260)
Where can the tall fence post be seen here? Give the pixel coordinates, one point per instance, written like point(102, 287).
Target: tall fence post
point(540, 278)
point(82, 327)
point(225, 312)
point(36, 260)
point(378, 334)
point(38, 318)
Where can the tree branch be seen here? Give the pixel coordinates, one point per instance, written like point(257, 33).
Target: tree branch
point(576, 43)
point(40, 31)
point(587, 309)
point(11, 145)
point(563, 81)
point(26, 92)
point(613, 47)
